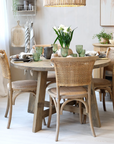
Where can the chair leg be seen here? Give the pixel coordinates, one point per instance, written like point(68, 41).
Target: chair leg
point(50, 113)
point(90, 116)
point(110, 92)
point(44, 121)
point(7, 108)
point(58, 120)
point(100, 96)
point(85, 116)
point(10, 108)
point(91, 124)
point(113, 95)
point(75, 106)
point(84, 119)
point(104, 106)
point(80, 112)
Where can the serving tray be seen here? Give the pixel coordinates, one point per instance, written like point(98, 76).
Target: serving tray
point(18, 36)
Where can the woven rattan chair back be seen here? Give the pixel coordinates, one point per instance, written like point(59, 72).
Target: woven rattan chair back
point(73, 71)
point(110, 55)
point(5, 65)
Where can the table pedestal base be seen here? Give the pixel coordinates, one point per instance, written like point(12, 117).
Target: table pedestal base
point(39, 101)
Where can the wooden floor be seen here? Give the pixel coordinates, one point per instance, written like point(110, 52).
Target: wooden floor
point(71, 131)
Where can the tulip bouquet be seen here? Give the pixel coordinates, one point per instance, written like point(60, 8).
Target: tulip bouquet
point(64, 35)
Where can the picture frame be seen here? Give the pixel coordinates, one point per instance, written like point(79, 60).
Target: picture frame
point(107, 13)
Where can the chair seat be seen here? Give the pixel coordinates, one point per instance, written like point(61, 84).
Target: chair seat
point(69, 92)
point(101, 82)
point(24, 85)
point(51, 76)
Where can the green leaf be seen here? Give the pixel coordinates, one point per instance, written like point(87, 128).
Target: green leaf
point(55, 40)
point(102, 34)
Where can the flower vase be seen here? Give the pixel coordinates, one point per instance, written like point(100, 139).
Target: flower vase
point(64, 52)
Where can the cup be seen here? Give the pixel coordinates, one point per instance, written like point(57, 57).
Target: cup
point(55, 47)
point(47, 52)
point(36, 56)
point(74, 55)
point(30, 7)
point(26, 3)
point(39, 49)
point(25, 7)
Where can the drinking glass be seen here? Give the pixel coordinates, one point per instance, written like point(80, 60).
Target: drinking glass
point(39, 49)
point(36, 56)
point(82, 54)
point(55, 47)
point(79, 48)
point(74, 55)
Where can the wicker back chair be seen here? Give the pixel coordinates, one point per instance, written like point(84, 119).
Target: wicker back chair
point(104, 84)
point(5, 65)
point(17, 86)
point(110, 67)
point(73, 72)
point(71, 75)
point(110, 55)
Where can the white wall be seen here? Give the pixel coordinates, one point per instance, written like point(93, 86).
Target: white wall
point(87, 19)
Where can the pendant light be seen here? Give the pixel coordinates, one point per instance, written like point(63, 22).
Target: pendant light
point(64, 3)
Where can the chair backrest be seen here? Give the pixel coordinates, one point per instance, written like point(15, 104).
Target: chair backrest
point(110, 55)
point(73, 71)
point(5, 65)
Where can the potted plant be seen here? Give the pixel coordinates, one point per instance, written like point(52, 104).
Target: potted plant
point(64, 36)
point(14, 5)
point(103, 37)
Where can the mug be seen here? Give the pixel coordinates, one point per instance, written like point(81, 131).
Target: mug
point(47, 52)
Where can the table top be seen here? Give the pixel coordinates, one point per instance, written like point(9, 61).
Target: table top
point(45, 65)
point(103, 45)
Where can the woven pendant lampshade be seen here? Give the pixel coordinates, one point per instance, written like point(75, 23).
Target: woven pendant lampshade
point(64, 3)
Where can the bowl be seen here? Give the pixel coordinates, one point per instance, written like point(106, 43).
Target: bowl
point(111, 41)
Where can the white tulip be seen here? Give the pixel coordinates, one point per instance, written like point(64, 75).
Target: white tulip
point(61, 26)
point(55, 28)
point(65, 30)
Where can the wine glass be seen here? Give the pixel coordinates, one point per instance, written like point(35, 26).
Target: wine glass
point(82, 54)
point(55, 47)
point(79, 49)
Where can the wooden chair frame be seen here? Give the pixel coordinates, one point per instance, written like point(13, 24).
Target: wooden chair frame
point(110, 68)
point(62, 83)
point(10, 98)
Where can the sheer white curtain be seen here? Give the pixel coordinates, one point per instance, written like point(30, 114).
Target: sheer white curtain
point(4, 41)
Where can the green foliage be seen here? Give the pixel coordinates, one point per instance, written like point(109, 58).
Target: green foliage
point(104, 35)
point(14, 5)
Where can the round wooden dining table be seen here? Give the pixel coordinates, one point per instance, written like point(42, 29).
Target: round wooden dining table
point(42, 67)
